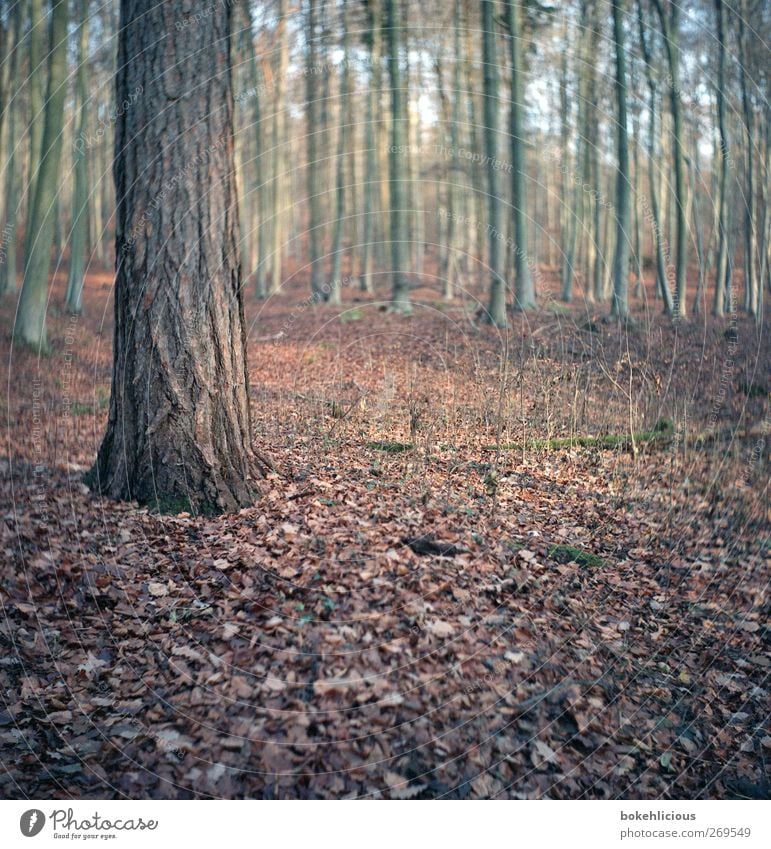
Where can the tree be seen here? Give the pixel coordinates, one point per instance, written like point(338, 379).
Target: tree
point(279, 139)
point(80, 194)
point(620, 307)
point(8, 266)
point(721, 267)
point(525, 293)
point(314, 133)
point(342, 146)
point(37, 84)
point(397, 172)
point(496, 309)
point(30, 327)
point(178, 432)
point(662, 284)
point(374, 39)
point(670, 25)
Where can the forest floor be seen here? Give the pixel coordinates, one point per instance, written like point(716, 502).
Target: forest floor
point(441, 592)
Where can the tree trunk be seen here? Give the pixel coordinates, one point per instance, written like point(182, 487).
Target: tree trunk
point(371, 143)
point(279, 139)
point(30, 327)
point(400, 292)
point(37, 85)
point(178, 433)
point(10, 231)
point(314, 134)
point(662, 283)
point(79, 230)
point(496, 310)
point(335, 283)
point(524, 291)
point(620, 308)
point(751, 289)
point(722, 251)
point(259, 194)
point(671, 28)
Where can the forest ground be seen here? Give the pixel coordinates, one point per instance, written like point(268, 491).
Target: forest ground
point(423, 601)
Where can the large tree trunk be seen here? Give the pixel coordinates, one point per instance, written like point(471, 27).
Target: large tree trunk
point(178, 434)
point(400, 292)
point(620, 307)
point(30, 327)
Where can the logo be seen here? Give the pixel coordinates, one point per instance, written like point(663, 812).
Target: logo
point(32, 822)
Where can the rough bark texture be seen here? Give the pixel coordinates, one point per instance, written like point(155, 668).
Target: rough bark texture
point(178, 434)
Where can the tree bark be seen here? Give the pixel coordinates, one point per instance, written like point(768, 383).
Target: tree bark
point(721, 266)
point(10, 231)
point(178, 433)
point(523, 281)
point(335, 283)
point(79, 230)
point(496, 310)
point(400, 292)
point(30, 327)
point(670, 25)
point(279, 139)
point(620, 308)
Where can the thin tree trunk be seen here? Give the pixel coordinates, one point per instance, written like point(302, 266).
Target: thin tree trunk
point(279, 139)
point(37, 85)
point(751, 299)
point(722, 251)
point(662, 284)
point(620, 308)
point(10, 231)
point(335, 283)
point(259, 198)
point(400, 292)
point(670, 25)
point(370, 143)
point(496, 310)
point(79, 230)
point(524, 290)
point(30, 327)
point(314, 133)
